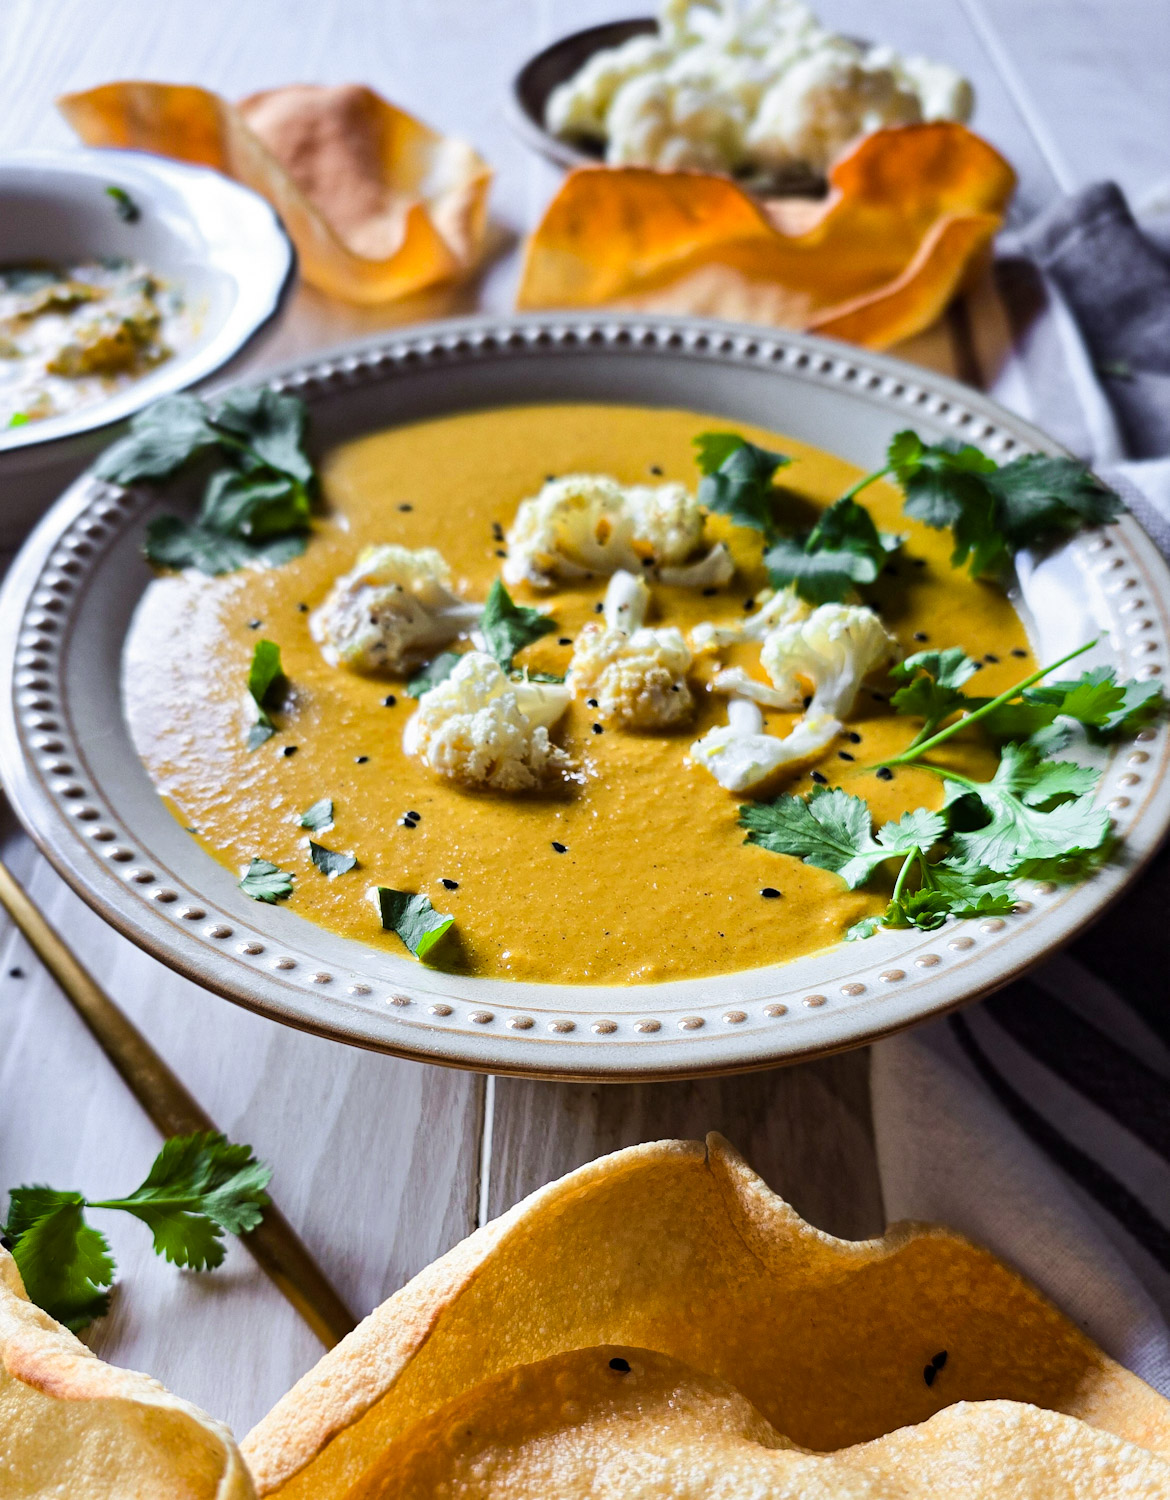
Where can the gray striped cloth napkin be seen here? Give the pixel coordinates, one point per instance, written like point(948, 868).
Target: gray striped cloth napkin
point(1038, 1122)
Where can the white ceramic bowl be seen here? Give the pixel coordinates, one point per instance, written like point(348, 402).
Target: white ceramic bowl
point(75, 779)
point(222, 244)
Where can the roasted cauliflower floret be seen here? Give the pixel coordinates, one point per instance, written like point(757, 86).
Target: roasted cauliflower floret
point(783, 608)
point(636, 676)
point(391, 612)
point(588, 524)
point(830, 654)
point(481, 728)
point(656, 121)
point(824, 101)
point(740, 754)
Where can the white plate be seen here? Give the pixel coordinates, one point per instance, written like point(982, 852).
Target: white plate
point(72, 774)
point(218, 242)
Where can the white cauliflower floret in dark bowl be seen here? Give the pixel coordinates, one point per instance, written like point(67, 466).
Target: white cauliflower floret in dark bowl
point(481, 728)
point(586, 525)
point(392, 611)
point(636, 676)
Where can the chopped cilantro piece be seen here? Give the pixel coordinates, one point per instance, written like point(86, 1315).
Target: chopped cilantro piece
point(413, 918)
point(1098, 701)
point(825, 565)
point(318, 817)
point(124, 206)
point(329, 862)
point(432, 674)
point(737, 479)
point(509, 627)
point(263, 676)
point(198, 1186)
point(19, 419)
point(264, 881)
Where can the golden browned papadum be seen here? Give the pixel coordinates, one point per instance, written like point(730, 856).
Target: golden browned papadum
point(749, 1337)
point(76, 1428)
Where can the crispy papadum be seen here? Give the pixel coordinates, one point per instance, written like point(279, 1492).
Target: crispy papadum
point(377, 204)
point(679, 1249)
point(71, 1425)
point(911, 210)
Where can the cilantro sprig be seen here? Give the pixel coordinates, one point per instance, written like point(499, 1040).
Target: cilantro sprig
point(257, 497)
point(826, 564)
point(508, 627)
point(737, 479)
point(198, 1187)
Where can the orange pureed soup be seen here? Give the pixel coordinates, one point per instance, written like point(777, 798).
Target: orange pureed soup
point(655, 881)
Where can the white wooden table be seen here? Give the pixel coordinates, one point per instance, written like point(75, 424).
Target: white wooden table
point(382, 1164)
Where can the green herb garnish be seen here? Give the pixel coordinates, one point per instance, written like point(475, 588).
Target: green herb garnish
point(264, 881)
point(124, 206)
point(825, 565)
point(256, 502)
point(329, 862)
point(199, 1186)
point(508, 627)
point(933, 680)
point(264, 675)
point(413, 918)
point(19, 419)
point(737, 479)
point(318, 817)
point(432, 674)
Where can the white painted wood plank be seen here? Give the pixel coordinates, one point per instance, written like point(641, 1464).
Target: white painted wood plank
point(806, 1130)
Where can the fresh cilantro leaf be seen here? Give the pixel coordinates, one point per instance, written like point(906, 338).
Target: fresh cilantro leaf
point(508, 627)
point(432, 674)
point(263, 676)
point(933, 680)
point(272, 425)
point(163, 438)
point(992, 511)
point(737, 479)
point(254, 506)
point(264, 881)
point(198, 1186)
point(19, 419)
point(174, 543)
point(318, 817)
point(328, 861)
point(825, 565)
point(832, 830)
point(1098, 701)
point(124, 206)
point(413, 918)
point(942, 892)
point(1035, 809)
point(64, 1262)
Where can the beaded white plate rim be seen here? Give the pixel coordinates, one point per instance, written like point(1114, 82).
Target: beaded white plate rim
point(71, 772)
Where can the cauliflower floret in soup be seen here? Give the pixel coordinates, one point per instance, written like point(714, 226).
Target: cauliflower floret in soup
point(635, 675)
point(391, 612)
point(833, 651)
point(586, 525)
point(481, 728)
point(741, 753)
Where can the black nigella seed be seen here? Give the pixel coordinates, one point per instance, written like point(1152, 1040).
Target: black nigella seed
point(389, 701)
point(406, 823)
point(289, 750)
point(599, 608)
point(884, 773)
point(709, 593)
point(548, 478)
point(622, 1366)
point(654, 469)
point(255, 624)
point(647, 562)
point(406, 507)
point(500, 552)
point(939, 1359)
point(1016, 651)
point(560, 848)
point(412, 814)
point(819, 779)
point(928, 1374)
point(450, 885)
point(360, 760)
point(920, 635)
point(977, 667)
point(806, 701)
point(16, 973)
point(302, 609)
point(591, 702)
point(564, 640)
point(989, 656)
point(749, 604)
point(769, 893)
point(853, 737)
point(497, 532)
point(844, 754)
point(877, 697)
point(597, 729)
point(920, 562)
point(890, 570)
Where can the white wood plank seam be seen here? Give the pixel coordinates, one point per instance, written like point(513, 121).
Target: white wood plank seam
point(487, 1128)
